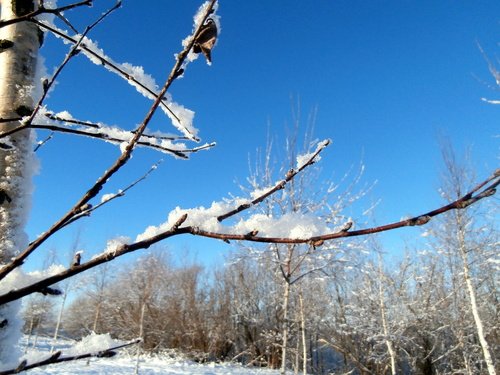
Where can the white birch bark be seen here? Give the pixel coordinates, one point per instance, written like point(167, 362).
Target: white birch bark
point(383, 317)
point(19, 45)
point(488, 359)
point(286, 298)
point(303, 332)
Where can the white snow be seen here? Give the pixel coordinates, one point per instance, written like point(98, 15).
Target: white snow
point(114, 243)
point(93, 343)
point(290, 225)
point(304, 158)
point(490, 101)
point(124, 363)
point(113, 134)
point(18, 279)
point(107, 197)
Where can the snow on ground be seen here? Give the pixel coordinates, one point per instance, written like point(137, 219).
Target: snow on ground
point(124, 363)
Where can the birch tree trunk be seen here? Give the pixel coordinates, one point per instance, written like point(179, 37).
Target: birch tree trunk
point(303, 333)
point(488, 359)
point(286, 298)
point(19, 45)
point(383, 317)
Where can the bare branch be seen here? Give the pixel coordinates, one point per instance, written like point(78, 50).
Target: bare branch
point(118, 164)
point(121, 193)
point(43, 10)
point(279, 185)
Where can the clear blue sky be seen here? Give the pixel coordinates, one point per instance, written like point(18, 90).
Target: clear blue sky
point(387, 78)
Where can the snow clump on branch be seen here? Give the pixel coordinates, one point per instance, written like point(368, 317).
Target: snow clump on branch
point(198, 18)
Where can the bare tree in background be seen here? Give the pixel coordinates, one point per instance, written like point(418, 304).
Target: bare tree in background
point(23, 108)
point(470, 243)
point(304, 196)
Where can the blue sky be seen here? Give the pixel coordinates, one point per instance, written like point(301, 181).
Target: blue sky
point(388, 78)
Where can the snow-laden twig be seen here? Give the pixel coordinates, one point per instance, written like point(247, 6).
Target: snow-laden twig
point(82, 204)
point(181, 117)
point(47, 84)
point(121, 137)
point(303, 162)
point(483, 190)
point(43, 142)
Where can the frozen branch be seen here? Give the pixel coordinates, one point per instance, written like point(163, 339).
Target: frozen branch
point(104, 136)
point(83, 202)
point(119, 69)
point(482, 190)
point(43, 142)
point(309, 160)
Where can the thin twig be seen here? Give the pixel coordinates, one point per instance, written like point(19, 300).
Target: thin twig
point(42, 143)
point(279, 185)
point(48, 83)
point(121, 193)
point(81, 204)
point(43, 10)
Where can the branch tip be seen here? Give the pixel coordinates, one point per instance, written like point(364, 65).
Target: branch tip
point(347, 226)
point(179, 222)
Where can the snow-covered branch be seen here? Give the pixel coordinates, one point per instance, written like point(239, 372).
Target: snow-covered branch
point(82, 204)
point(302, 162)
point(482, 190)
point(181, 117)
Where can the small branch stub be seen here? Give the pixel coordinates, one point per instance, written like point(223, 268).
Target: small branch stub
point(5, 44)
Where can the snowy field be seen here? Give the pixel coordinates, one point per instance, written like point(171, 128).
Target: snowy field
point(123, 364)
